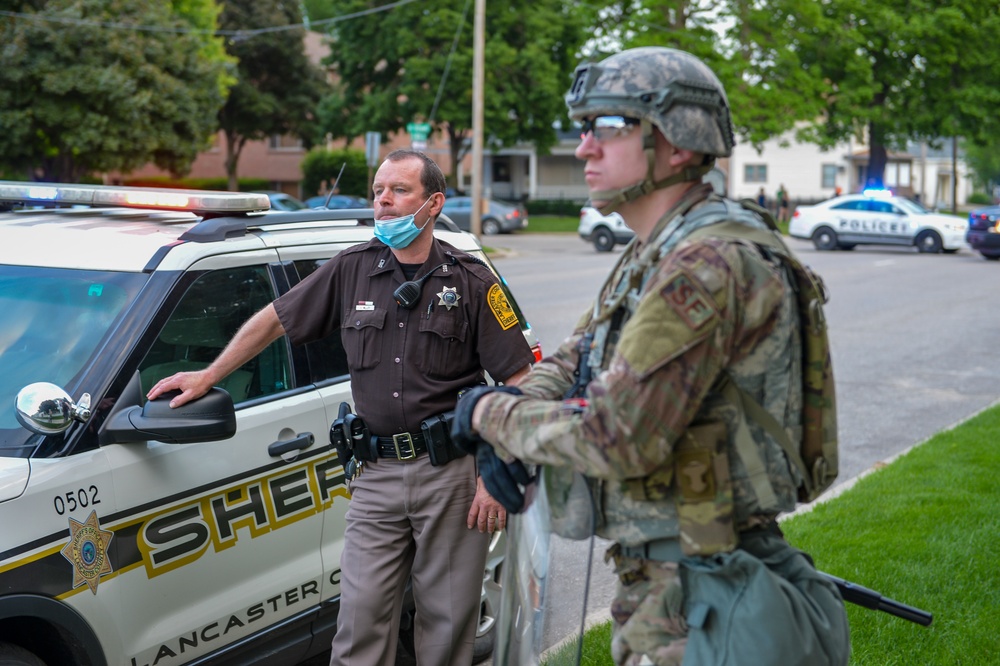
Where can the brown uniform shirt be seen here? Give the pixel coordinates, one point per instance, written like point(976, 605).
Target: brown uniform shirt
point(408, 365)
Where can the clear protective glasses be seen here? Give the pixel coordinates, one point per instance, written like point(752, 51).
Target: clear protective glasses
point(606, 128)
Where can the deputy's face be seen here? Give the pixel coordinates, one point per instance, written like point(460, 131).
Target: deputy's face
point(396, 188)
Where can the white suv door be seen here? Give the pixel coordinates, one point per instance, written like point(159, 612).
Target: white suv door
point(227, 533)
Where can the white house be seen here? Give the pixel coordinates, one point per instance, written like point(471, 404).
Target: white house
point(810, 174)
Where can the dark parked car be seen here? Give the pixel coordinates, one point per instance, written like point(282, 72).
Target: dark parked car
point(983, 234)
point(282, 201)
point(502, 217)
point(337, 201)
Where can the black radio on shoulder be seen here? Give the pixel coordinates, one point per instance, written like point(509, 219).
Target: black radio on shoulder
point(407, 295)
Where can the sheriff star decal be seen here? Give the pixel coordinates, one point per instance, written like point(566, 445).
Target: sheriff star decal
point(449, 297)
point(87, 551)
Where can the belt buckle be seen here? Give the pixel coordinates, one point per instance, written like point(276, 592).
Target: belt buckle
point(406, 438)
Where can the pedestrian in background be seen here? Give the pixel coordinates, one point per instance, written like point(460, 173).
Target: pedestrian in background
point(417, 508)
point(762, 198)
point(782, 204)
point(689, 320)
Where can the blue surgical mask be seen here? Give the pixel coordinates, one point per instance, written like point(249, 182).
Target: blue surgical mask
point(398, 232)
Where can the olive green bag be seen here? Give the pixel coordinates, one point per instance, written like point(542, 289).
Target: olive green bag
point(762, 604)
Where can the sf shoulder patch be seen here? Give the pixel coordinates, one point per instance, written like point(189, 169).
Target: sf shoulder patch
point(693, 306)
point(501, 307)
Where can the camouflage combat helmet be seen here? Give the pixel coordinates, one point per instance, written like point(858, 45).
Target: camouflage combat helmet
point(666, 88)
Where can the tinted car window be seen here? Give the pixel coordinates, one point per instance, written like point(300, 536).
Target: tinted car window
point(851, 205)
point(880, 206)
point(204, 321)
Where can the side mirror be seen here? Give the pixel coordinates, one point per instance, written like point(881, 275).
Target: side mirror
point(46, 409)
point(209, 418)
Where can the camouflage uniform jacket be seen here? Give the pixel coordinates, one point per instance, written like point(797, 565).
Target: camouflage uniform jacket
point(709, 308)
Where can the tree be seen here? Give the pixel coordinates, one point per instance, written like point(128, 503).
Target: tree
point(391, 64)
point(278, 88)
point(89, 86)
point(983, 160)
point(895, 70)
point(743, 42)
point(902, 70)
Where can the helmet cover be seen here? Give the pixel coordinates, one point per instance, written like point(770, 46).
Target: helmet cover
point(672, 89)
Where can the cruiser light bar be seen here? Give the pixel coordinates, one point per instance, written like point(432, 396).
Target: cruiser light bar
point(195, 201)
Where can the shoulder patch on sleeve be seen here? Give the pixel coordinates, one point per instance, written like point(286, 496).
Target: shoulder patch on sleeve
point(693, 306)
point(500, 307)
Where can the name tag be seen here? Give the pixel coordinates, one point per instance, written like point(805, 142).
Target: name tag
point(365, 305)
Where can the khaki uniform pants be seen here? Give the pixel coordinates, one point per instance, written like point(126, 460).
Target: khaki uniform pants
point(409, 518)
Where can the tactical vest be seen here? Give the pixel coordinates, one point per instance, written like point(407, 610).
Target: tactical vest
point(692, 495)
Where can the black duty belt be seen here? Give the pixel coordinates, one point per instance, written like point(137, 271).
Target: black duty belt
point(404, 446)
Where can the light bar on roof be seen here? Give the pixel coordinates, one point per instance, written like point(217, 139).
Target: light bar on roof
point(195, 201)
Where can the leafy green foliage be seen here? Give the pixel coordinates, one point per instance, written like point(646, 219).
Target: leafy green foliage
point(324, 165)
point(277, 87)
point(895, 70)
point(79, 96)
point(391, 65)
point(743, 42)
point(984, 161)
point(902, 70)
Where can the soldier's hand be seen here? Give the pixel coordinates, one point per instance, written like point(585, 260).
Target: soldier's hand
point(462, 432)
point(504, 481)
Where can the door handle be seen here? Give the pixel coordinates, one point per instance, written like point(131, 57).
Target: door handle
point(301, 441)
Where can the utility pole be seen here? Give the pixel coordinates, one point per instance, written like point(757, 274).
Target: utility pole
point(478, 90)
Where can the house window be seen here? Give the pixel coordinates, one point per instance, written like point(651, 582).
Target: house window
point(755, 173)
point(829, 176)
point(897, 174)
point(285, 142)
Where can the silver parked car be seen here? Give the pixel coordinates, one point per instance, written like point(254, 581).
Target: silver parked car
point(500, 217)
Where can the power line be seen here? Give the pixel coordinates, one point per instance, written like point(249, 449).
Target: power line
point(116, 25)
point(447, 64)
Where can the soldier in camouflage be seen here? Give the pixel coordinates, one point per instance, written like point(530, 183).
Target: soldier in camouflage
point(685, 324)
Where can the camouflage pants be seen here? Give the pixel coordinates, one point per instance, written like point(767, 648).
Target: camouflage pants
point(647, 613)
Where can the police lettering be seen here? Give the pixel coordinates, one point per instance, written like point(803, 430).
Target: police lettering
point(179, 537)
point(875, 226)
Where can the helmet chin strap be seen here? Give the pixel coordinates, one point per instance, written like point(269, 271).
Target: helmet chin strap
point(616, 198)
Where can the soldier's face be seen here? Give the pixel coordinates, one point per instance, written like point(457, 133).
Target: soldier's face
point(614, 157)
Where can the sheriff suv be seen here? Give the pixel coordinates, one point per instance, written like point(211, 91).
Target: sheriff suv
point(134, 534)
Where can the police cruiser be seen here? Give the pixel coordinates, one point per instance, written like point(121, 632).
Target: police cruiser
point(877, 217)
point(138, 535)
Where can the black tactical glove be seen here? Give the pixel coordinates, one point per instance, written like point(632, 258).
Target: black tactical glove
point(502, 480)
point(461, 427)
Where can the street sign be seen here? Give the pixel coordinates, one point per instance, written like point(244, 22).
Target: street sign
point(419, 132)
point(372, 142)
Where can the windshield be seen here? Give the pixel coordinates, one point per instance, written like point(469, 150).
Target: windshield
point(911, 206)
point(51, 321)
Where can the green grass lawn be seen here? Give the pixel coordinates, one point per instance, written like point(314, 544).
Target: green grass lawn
point(923, 531)
point(551, 224)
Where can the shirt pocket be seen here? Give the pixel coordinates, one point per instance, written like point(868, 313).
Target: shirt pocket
point(362, 331)
point(443, 353)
